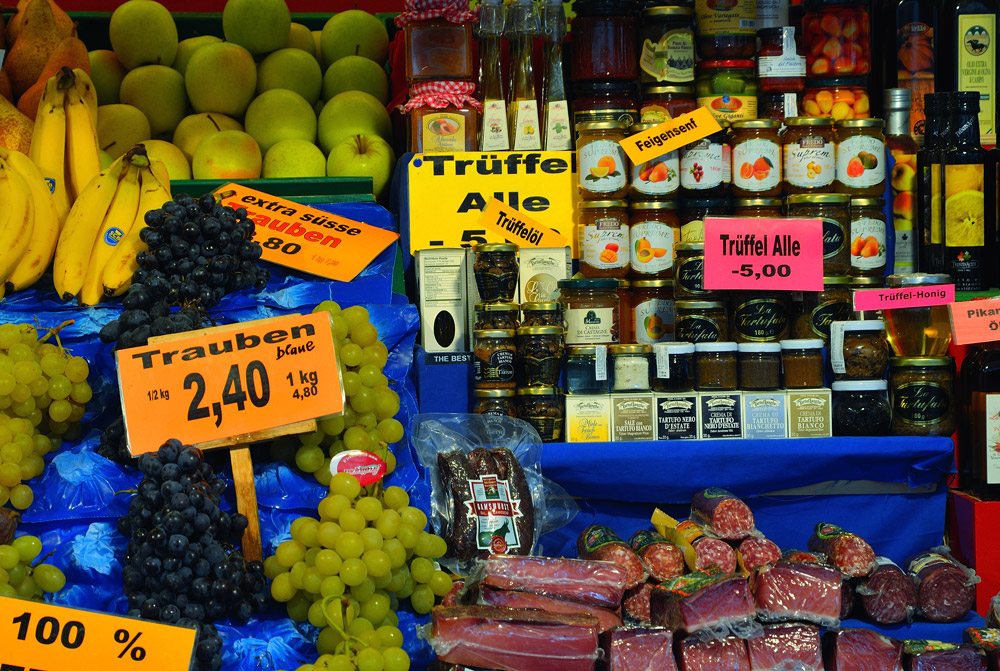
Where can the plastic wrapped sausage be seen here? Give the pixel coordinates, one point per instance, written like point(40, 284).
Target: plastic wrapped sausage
point(846, 551)
point(888, 595)
point(758, 551)
point(945, 589)
point(603, 544)
point(662, 559)
point(722, 514)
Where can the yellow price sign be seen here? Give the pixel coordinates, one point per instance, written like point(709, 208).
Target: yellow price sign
point(670, 135)
point(519, 228)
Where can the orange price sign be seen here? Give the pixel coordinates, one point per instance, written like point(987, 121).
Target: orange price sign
point(307, 239)
point(37, 635)
point(230, 381)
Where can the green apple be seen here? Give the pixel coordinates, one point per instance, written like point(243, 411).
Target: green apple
point(280, 114)
point(119, 127)
point(354, 32)
point(293, 159)
point(363, 156)
point(352, 113)
point(158, 91)
point(171, 156)
point(260, 26)
point(221, 77)
point(143, 32)
point(356, 73)
point(228, 154)
point(193, 129)
point(186, 49)
point(292, 69)
point(317, 47)
point(300, 37)
point(107, 72)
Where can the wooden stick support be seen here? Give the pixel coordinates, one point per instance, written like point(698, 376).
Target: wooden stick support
point(246, 501)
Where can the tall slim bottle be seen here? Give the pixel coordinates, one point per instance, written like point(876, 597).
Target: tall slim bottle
point(928, 184)
point(915, 25)
point(555, 108)
point(522, 107)
point(493, 133)
point(969, 214)
point(903, 180)
point(969, 56)
point(979, 456)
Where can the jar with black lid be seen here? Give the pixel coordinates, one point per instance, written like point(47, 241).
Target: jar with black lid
point(760, 316)
point(689, 272)
point(700, 321)
point(834, 211)
point(497, 315)
point(542, 314)
point(495, 269)
point(540, 353)
point(715, 366)
point(868, 237)
point(662, 103)
point(673, 366)
point(605, 101)
point(496, 402)
point(542, 407)
point(760, 366)
point(494, 358)
point(603, 47)
point(861, 408)
point(693, 213)
point(922, 395)
point(819, 309)
point(666, 35)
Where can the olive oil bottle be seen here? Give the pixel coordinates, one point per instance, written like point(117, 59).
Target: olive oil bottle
point(969, 56)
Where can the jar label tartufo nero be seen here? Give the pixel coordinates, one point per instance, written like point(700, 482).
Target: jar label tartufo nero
point(921, 403)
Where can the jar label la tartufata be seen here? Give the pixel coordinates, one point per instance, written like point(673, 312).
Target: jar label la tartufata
point(757, 165)
point(705, 165)
point(652, 247)
point(606, 245)
point(602, 166)
point(691, 275)
point(654, 321)
point(495, 512)
point(861, 162)
point(761, 319)
point(693, 328)
point(590, 326)
point(809, 163)
point(833, 237)
point(868, 243)
point(827, 313)
point(920, 403)
point(657, 177)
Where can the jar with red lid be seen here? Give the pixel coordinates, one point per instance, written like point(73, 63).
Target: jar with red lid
point(837, 38)
point(756, 148)
point(438, 40)
point(653, 230)
point(604, 238)
point(728, 89)
point(726, 29)
point(603, 41)
point(707, 167)
point(837, 97)
point(444, 116)
point(657, 178)
point(781, 63)
point(605, 101)
point(663, 103)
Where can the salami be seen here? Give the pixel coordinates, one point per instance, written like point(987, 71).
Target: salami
point(663, 560)
point(758, 551)
point(945, 591)
point(509, 469)
point(846, 551)
point(792, 591)
point(482, 462)
point(636, 602)
point(786, 647)
point(456, 470)
point(888, 595)
point(703, 601)
point(847, 599)
point(934, 656)
point(602, 543)
point(701, 552)
point(730, 654)
point(722, 513)
point(598, 583)
point(639, 649)
point(862, 650)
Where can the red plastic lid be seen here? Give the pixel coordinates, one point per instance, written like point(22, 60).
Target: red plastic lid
point(710, 65)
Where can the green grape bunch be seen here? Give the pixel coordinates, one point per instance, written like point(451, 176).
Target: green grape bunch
point(43, 396)
point(19, 578)
point(347, 571)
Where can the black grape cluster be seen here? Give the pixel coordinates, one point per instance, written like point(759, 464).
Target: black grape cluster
point(180, 565)
point(198, 251)
point(114, 444)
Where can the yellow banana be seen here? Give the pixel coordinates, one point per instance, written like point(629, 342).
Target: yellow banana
point(85, 87)
point(76, 240)
point(116, 226)
point(117, 274)
point(83, 153)
point(17, 222)
point(48, 145)
point(42, 246)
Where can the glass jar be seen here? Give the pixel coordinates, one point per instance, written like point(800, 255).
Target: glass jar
point(922, 395)
point(809, 157)
point(834, 210)
point(663, 103)
point(653, 310)
point(760, 366)
point(865, 350)
point(542, 407)
point(760, 316)
point(604, 238)
point(837, 97)
point(756, 158)
point(868, 233)
point(859, 283)
point(625, 312)
point(701, 321)
point(861, 408)
point(629, 366)
point(693, 213)
point(667, 51)
point(707, 167)
point(497, 315)
point(757, 208)
point(728, 89)
point(725, 29)
point(860, 157)
point(654, 230)
point(781, 63)
point(819, 309)
point(837, 38)
point(439, 49)
point(542, 314)
point(673, 367)
point(605, 101)
point(603, 44)
point(689, 272)
point(587, 369)
point(922, 331)
point(495, 402)
point(496, 271)
point(601, 162)
point(591, 310)
point(802, 363)
point(540, 353)
point(494, 357)
point(656, 178)
point(715, 366)
point(779, 106)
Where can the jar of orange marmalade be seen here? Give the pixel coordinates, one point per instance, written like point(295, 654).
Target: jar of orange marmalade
point(757, 208)
point(601, 162)
point(756, 158)
point(438, 39)
point(810, 161)
point(444, 117)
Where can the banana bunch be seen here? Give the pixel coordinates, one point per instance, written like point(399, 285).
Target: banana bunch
point(29, 227)
point(64, 142)
point(97, 247)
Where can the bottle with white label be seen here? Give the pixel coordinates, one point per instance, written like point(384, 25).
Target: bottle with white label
point(555, 108)
point(522, 108)
point(867, 236)
point(493, 134)
point(860, 157)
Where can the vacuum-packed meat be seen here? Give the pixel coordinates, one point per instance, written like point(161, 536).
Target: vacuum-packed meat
point(603, 544)
point(758, 551)
point(847, 551)
point(663, 560)
point(862, 650)
point(888, 595)
point(847, 598)
point(607, 619)
point(987, 640)
point(728, 654)
point(639, 649)
point(945, 589)
point(636, 602)
point(700, 601)
point(934, 656)
point(598, 583)
point(793, 591)
point(786, 647)
point(722, 513)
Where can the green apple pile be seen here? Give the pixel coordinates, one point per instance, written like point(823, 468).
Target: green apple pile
point(271, 99)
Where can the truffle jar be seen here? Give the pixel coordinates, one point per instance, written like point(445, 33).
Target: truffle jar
point(760, 366)
point(715, 366)
point(630, 367)
point(802, 362)
point(861, 408)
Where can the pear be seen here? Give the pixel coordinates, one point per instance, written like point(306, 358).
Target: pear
point(193, 129)
point(71, 53)
point(158, 92)
point(107, 73)
point(222, 78)
point(186, 49)
point(37, 40)
point(260, 26)
point(119, 127)
point(15, 128)
point(280, 114)
point(143, 32)
point(300, 37)
point(291, 69)
point(63, 22)
point(356, 73)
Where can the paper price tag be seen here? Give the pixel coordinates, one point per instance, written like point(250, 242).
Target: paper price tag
point(975, 321)
point(230, 381)
point(601, 354)
point(905, 297)
point(662, 355)
point(837, 348)
point(763, 254)
point(39, 636)
point(307, 239)
point(670, 135)
point(519, 228)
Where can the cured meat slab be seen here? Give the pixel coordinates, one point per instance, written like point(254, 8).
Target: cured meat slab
point(944, 658)
point(729, 654)
point(639, 649)
point(597, 583)
point(862, 650)
point(795, 591)
point(607, 619)
point(786, 647)
point(700, 601)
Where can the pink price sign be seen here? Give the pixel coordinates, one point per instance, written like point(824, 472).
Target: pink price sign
point(763, 254)
point(904, 297)
point(975, 321)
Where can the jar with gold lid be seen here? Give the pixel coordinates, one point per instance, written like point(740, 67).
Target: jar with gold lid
point(868, 236)
point(548, 313)
point(819, 309)
point(629, 367)
point(689, 272)
point(657, 177)
point(919, 331)
point(701, 321)
point(494, 357)
point(591, 309)
point(860, 157)
point(601, 162)
point(809, 153)
point(833, 210)
point(760, 316)
point(663, 103)
point(666, 36)
point(756, 148)
point(921, 392)
point(653, 310)
point(495, 402)
point(540, 352)
point(693, 213)
point(542, 407)
point(757, 208)
point(707, 167)
point(654, 230)
point(495, 269)
point(604, 238)
point(497, 315)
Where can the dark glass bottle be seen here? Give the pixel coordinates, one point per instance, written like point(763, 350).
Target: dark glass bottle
point(969, 216)
point(929, 165)
point(914, 64)
point(978, 458)
point(968, 56)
